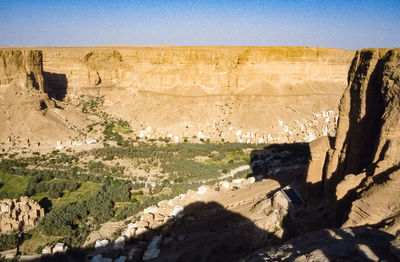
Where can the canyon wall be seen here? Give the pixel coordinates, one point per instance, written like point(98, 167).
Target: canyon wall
point(27, 116)
point(362, 167)
point(248, 94)
point(21, 67)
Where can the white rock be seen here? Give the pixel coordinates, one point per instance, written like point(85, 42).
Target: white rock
point(119, 242)
point(177, 211)
point(130, 231)
point(46, 250)
point(152, 250)
point(101, 243)
point(202, 190)
point(225, 184)
point(91, 141)
point(60, 247)
point(237, 181)
point(151, 210)
point(251, 180)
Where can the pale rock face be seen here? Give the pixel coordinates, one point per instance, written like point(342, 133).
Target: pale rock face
point(26, 112)
point(169, 87)
point(177, 211)
point(368, 139)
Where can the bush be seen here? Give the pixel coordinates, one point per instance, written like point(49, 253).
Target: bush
point(8, 241)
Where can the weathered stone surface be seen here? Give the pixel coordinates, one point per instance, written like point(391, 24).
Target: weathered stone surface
point(368, 140)
point(353, 244)
point(349, 182)
point(153, 250)
point(59, 248)
point(203, 79)
point(318, 153)
point(23, 67)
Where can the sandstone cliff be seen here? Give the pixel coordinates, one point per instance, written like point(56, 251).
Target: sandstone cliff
point(362, 171)
point(27, 116)
point(216, 91)
point(238, 94)
point(23, 67)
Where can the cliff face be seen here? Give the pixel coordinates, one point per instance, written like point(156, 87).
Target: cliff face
point(368, 140)
point(23, 67)
point(217, 91)
point(240, 94)
point(202, 70)
point(27, 116)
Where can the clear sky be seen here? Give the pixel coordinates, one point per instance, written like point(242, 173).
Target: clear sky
point(343, 24)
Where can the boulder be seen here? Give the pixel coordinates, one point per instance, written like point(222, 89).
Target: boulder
point(101, 243)
point(153, 250)
point(60, 247)
point(177, 212)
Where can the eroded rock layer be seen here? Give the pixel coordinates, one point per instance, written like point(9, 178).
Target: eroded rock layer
point(362, 169)
point(208, 92)
point(27, 116)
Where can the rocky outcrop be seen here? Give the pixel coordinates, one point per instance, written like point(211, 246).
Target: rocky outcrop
point(28, 117)
point(16, 215)
point(347, 244)
point(23, 67)
point(363, 165)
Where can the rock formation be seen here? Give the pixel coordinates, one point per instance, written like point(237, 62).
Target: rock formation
point(347, 244)
point(27, 116)
point(23, 67)
point(16, 215)
point(240, 94)
point(362, 168)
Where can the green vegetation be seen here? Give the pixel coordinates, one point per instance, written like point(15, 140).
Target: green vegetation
point(36, 242)
point(12, 186)
point(80, 191)
point(8, 241)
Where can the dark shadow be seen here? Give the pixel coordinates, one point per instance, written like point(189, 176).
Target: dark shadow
point(1, 185)
point(55, 85)
point(285, 163)
point(32, 81)
point(353, 244)
point(46, 204)
point(209, 232)
point(205, 232)
point(344, 204)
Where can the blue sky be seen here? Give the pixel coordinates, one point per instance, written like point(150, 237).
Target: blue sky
point(341, 24)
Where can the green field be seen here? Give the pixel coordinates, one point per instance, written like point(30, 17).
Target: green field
point(84, 192)
point(12, 184)
point(36, 239)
